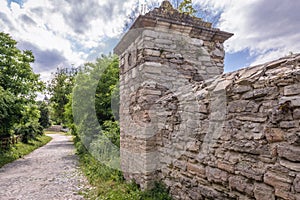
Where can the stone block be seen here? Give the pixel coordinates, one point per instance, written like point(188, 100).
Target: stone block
point(295, 166)
point(218, 53)
point(210, 193)
point(296, 114)
point(291, 89)
point(274, 134)
point(295, 100)
point(151, 52)
point(241, 184)
point(216, 175)
point(252, 118)
point(289, 124)
point(286, 195)
point(249, 170)
point(296, 184)
point(163, 41)
point(237, 106)
point(263, 192)
point(196, 169)
point(242, 88)
point(278, 180)
point(180, 164)
point(193, 146)
point(203, 108)
point(289, 152)
point(225, 166)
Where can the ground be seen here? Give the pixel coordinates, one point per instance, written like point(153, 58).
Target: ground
point(50, 172)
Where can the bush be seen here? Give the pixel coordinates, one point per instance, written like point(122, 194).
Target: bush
point(29, 126)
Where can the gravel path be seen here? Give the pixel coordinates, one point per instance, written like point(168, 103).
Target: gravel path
point(50, 172)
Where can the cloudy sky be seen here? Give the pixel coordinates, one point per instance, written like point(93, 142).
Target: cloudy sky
point(66, 32)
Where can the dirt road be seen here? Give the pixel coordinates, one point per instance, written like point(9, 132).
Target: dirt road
point(50, 172)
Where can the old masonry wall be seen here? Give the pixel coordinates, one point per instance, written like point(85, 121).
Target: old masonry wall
point(205, 134)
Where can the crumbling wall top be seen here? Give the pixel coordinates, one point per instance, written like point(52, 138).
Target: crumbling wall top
point(166, 11)
point(166, 18)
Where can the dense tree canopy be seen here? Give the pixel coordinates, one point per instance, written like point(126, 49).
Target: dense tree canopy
point(16, 74)
point(18, 88)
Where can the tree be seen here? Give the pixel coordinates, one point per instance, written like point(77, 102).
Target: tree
point(59, 88)
point(106, 88)
point(44, 114)
point(18, 84)
point(16, 74)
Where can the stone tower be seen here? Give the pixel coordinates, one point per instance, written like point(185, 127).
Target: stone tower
point(163, 56)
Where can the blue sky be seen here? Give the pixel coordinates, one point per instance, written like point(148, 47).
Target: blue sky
point(65, 33)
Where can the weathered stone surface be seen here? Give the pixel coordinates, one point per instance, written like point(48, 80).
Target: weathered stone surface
point(296, 184)
point(290, 165)
point(274, 134)
point(263, 192)
point(242, 88)
point(241, 184)
point(295, 100)
point(196, 169)
point(289, 124)
point(296, 114)
point(210, 135)
point(292, 89)
point(216, 175)
point(289, 152)
point(249, 170)
point(225, 166)
point(237, 106)
point(278, 180)
point(252, 118)
point(222, 85)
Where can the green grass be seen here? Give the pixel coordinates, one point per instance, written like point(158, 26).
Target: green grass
point(109, 183)
point(20, 149)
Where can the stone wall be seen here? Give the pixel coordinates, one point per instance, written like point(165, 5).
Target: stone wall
point(204, 134)
point(250, 149)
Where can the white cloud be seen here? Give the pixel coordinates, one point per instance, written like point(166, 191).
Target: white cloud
point(269, 29)
point(69, 31)
point(73, 32)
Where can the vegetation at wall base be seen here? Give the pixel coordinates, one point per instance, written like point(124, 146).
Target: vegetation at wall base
point(109, 183)
point(20, 149)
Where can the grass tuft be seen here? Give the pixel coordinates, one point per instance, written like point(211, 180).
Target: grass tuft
point(109, 184)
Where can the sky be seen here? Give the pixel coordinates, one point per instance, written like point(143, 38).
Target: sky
point(63, 33)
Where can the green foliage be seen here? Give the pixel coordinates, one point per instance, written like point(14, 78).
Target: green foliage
point(21, 149)
point(9, 112)
point(44, 115)
point(68, 115)
point(107, 86)
point(109, 183)
point(186, 7)
point(29, 126)
point(18, 87)
point(59, 88)
point(93, 93)
point(16, 74)
point(111, 130)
